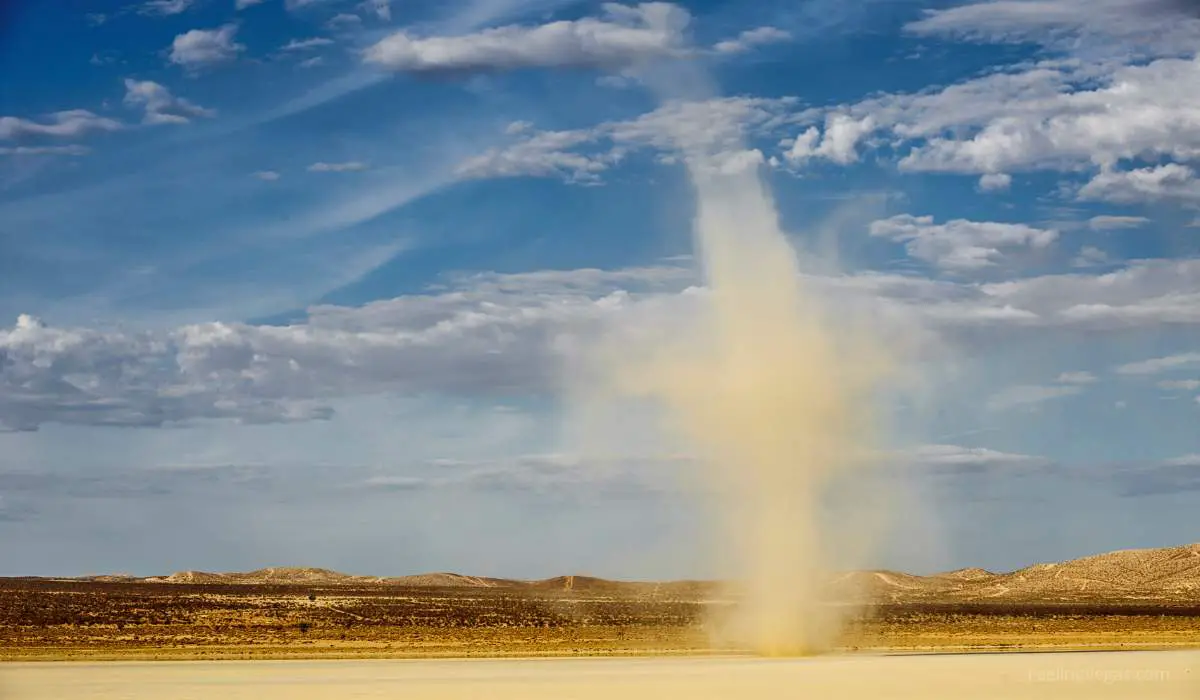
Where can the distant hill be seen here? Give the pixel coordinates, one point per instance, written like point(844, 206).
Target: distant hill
point(1129, 575)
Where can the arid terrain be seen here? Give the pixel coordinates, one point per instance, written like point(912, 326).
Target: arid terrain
point(1163, 675)
point(1130, 599)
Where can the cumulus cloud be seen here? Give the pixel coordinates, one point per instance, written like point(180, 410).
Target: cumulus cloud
point(243, 4)
point(160, 106)
point(751, 39)
point(1053, 122)
point(496, 335)
point(1163, 182)
point(267, 175)
point(621, 37)
point(1068, 116)
point(200, 48)
point(960, 244)
point(493, 334)
point(995, 182)
point(1179, 384)
point(71, 123)
point(347, 167)
point(839, 143)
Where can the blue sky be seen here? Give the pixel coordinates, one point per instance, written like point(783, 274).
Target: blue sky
point(301, 282)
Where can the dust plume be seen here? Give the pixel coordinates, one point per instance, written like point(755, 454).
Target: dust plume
point(774, 394)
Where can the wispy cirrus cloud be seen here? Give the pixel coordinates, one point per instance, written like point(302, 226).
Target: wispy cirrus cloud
point(344, 167)
point(165, 8)
point(71, 150)
point(1159, 365)
point(71, 123)
point(751, 39)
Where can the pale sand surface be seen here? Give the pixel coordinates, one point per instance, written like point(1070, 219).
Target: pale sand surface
point(1082, 676)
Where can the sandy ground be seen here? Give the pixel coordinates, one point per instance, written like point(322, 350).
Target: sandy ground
point(1061, 676)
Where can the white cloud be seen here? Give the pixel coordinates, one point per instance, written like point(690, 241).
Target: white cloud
point(311, 62)
point(838, 144)
point(267, 175)
point(305, 44)
point(381, 8)
point(200, 48)
point(68, 124)
point(1109, 223)
point(243, 4)
point(351, 166)
point(1164, 182)
point(1120, 27)
point(1141, 294)
point(624, 36)
point(955, 458)
point(1026, 396)
point(544, 154)
point(1192, 460)
point(482, 334)
point(1046, 118)
point(72, 150)
point(164, 8)
point(710, 126)
point(960, 244)
point(1090, 256)
point(1180, 385)
point(752, 38)
point(343, 20)
point(1159, 365)
point(1069, 116)
point(995, 182)
point(490, 333)
point(161, 107)
point(293, 5)
point(1076, 378)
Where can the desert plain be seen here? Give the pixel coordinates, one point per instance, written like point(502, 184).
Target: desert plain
point(311, 634)
point(1136, 599)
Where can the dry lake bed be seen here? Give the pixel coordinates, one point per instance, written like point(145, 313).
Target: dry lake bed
point(1019, 676)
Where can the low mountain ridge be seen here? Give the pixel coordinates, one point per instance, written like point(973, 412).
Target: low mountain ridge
point(1126, 575)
